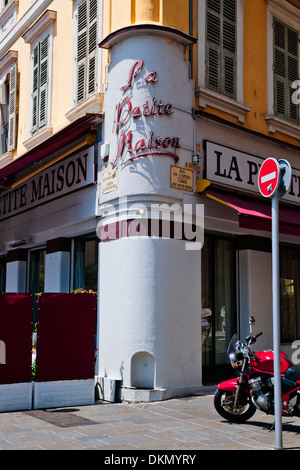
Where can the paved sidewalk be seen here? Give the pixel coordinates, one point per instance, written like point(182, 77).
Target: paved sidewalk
point(182, 424)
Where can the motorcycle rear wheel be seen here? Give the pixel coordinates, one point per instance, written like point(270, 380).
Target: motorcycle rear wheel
point(224, 401)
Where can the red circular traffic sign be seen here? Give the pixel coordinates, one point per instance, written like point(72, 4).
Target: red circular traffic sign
point(268, 177)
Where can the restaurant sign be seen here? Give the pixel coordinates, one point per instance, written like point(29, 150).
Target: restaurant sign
point(58, 180)
point(239, 170)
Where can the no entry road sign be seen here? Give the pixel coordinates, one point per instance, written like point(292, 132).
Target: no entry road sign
point(268, 177)
point(274, 180)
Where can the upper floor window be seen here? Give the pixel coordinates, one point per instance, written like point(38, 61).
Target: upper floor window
point(40, 84)
point(282, 67)
point(221, 46)
point(86, 16)
point(40, 37)
point(8, 101)
point(220, 74)
point(286, 66)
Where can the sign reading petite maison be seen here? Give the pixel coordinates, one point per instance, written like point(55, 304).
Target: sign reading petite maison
point(237, 169)
point(58, 180)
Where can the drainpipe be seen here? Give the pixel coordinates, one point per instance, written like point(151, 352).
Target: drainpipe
point(191, 34)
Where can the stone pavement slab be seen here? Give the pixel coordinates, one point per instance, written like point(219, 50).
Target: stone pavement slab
point(179, 425)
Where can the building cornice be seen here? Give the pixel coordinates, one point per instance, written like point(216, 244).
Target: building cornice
point(144, 30)
point(39, 26)
point(7, 60)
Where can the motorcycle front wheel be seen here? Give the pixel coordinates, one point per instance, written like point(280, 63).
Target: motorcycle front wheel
point(224, 404)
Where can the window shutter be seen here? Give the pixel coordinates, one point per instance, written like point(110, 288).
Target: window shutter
point(229, 46)
point(43, 82)
point(87, 14)
point(221, 46)
point(213, 45)
point(12, 108)
point(35, 88)
point(82, 45)
point(92, 37)
point(285, 70)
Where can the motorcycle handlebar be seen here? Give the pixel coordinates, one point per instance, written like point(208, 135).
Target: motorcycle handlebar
point(252, 339)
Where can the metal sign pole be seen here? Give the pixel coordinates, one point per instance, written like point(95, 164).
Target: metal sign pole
point(274, 181)
point(276, 321)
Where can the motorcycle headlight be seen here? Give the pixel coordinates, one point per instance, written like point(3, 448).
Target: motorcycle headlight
point(236, 359)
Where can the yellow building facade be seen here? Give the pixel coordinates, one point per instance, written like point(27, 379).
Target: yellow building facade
point(187, 17)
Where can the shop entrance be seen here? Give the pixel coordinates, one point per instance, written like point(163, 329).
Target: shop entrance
point(218, 305)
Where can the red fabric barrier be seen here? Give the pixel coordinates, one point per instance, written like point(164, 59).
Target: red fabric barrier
point(15, 338)
point(66, 337)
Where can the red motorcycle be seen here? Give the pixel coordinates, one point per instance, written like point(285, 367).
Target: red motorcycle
point(237, 399)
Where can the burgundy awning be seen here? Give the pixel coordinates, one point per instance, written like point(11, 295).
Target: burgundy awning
point(256, 215)
point(55, 145)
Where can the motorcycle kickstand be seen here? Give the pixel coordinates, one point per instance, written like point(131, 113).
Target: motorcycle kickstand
point(272, 427)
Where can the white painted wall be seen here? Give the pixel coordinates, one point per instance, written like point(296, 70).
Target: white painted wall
point(57, 272)
point(16, 276)
point(150, 302)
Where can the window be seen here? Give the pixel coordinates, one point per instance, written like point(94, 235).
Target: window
point(36, 277)
point(87, 12)
point(40, 83)
point(8, 102)
point(282, 67)
point(220, 79)
point(2, 273)
point(285, 70)
point(40, 37)
point(221, 46)
point(218, 303)
point(85, 273)
point(289, 293)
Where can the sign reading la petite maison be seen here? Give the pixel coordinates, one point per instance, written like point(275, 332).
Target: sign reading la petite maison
point(128, 111)
point(240, 170)
point(58, 180)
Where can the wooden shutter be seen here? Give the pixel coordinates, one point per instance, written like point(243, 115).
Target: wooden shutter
point(92, 37)
point(43, 82)
point(82, 44)
point(229, 47)
point(213, 37)
point(87, 14)
point(40, 85)
point(12, 107)
point(35, 88)
point(221, 46)
point(285, 70)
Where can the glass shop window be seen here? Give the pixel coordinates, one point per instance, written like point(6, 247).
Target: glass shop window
point(85, 274)
point(289, 293)
point(36, 277)
point(2, 274)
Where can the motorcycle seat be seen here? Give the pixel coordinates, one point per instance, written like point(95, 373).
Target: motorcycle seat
point(293, 373)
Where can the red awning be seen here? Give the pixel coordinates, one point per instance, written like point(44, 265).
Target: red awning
point(55, 145)
point(256, 215)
